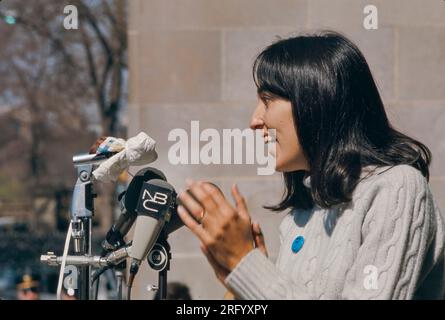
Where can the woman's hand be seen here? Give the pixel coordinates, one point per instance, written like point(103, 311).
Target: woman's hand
point(220, 272)
point(258, 237)
point(225, 232)
point(260, 244)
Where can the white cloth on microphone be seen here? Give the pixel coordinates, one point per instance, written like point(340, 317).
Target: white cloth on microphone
point(138, 150)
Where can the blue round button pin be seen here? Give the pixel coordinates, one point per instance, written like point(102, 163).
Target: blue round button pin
point(297, 244)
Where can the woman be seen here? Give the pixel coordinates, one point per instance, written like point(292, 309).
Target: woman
point(362, 223)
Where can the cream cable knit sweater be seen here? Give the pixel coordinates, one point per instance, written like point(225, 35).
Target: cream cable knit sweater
point(387, 243)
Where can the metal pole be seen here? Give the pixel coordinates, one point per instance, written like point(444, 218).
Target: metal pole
point(119, 281)
point(162, 280)
point(85, 271)
point(159, 259)
point(82, 210)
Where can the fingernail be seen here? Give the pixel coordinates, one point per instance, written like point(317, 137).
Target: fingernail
point(189, 182)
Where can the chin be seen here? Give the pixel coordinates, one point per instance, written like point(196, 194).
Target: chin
point(287, 167)
point(279, 167)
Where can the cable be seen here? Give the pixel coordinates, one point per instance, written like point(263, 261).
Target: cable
point(98, 273)
point(129, 285)
point(62, 266)
point(96, 277)
point(134, 268)
point(96, 293)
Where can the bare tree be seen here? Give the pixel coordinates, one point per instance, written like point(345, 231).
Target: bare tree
point(97, 52)
point(59, 80)
point(106, 73)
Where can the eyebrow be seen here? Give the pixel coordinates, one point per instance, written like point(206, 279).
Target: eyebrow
point(263, 95)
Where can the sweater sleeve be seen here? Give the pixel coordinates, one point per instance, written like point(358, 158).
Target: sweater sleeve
point(397, 231)
point(257, 278)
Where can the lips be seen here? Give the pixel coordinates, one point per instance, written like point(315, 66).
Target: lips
point(270, 139)
point(269, 135)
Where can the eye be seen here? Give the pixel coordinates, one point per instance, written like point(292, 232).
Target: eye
point(266, 99)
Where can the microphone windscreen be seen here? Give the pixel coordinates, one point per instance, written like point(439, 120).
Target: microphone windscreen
point(154, 208)
point(156, 196)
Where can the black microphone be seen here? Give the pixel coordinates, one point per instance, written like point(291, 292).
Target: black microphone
point(156, 205)
point(128, 201)
point(156, 215)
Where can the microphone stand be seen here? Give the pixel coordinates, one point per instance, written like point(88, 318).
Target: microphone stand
point(82, 211)
point(159, 260)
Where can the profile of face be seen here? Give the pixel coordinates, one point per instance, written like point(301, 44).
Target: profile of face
point(28, 288)
point(276, 113)
point(28, 294)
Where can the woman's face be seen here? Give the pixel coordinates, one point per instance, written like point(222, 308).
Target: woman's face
point(276, 113)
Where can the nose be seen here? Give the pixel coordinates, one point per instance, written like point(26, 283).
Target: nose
point(257, 119)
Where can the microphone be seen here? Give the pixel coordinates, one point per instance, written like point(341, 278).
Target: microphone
point(175, 222)
point(156, 205)
point(128, 201)
point(156, 215)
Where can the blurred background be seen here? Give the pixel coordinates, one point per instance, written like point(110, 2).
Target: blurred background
point(157, 65)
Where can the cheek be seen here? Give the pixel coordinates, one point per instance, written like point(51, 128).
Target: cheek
point(286, 132)
point(280, 117)
point(288, 147)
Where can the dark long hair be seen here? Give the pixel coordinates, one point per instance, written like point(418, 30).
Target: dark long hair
point(339, 117)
